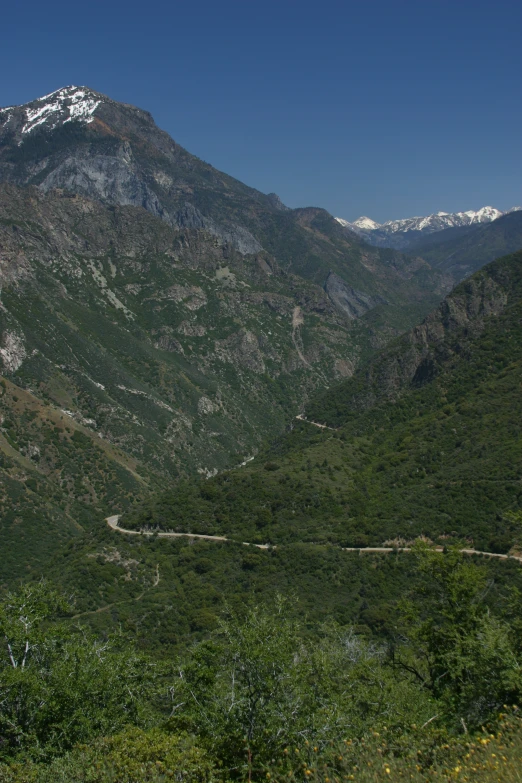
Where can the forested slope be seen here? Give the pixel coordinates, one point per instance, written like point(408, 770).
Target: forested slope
point(427, 441)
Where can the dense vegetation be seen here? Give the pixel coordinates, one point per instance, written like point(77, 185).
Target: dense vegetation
point(371, 666)
point(262, 695)
point(137, 354)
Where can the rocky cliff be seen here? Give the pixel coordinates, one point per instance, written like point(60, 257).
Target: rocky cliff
point(429, 349)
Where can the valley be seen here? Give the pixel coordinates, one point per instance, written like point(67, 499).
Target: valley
point(159, 337)
point(260, 470)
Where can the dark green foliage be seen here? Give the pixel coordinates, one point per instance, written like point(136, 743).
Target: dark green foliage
point(257, 687)
point(58, 685)
point(147, 756)
point(264, 682)
point(454, 647)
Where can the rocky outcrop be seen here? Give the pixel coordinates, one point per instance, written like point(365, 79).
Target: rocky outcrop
point(235, 235)
point(431, 351)
point(420, 355)
point(80, 141)
point(12, 351)
point(242, 349)
point(351, 302)
point(277, 203)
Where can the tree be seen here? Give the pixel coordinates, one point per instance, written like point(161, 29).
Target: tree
point(450, 642)
point(58, 684)
point(240, 688)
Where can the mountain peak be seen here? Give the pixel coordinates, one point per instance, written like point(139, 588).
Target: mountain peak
point(366, 223)
point(362, 223)
point(56, 108)
point(483, 215)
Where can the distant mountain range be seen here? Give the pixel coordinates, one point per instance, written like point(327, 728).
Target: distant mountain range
point(459, 253)
point(404, 234)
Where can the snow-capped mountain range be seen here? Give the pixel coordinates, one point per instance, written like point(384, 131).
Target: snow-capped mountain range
point(401, 233)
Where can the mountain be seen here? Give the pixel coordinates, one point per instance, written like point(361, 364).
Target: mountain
point(404, 234)
point(361, 224)
point(160, 318)
point(423, 440)
point(461, 254)
point(81, 141)
point(134, 353)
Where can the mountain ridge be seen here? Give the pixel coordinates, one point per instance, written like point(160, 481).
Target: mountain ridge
point(403, 233)
point(460, 253)
point(134, 353)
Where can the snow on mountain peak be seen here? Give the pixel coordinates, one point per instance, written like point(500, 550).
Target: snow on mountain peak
point(398, 233)
point(76, 103)
point(58, 107)
point(360, 225)
point(366, 223)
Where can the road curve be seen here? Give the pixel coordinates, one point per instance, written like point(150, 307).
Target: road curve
point(113, 524)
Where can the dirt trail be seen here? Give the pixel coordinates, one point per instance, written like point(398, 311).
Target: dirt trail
point(302, 417)
point(113, 523)
point(298, 321)
point(387, 549)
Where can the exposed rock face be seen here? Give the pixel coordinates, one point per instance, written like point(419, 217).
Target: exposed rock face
point(422, 349)
point(104, 150)
point(417, 357)
point(236, 235)
point(277, 203)
point(12, 351)
point(433, 349)
point(110, 178)
point(242, 349)
point(347, 299)
point(206, 406)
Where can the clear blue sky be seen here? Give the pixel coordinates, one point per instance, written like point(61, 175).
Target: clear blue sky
point(383, 108)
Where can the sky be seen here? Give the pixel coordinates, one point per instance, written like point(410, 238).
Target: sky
point(383, 108)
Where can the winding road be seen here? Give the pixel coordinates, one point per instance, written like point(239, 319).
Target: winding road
point(113, 524)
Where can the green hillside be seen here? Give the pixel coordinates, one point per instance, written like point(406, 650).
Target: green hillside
point(169, 351)
point(371, 666)
point(426, 441)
